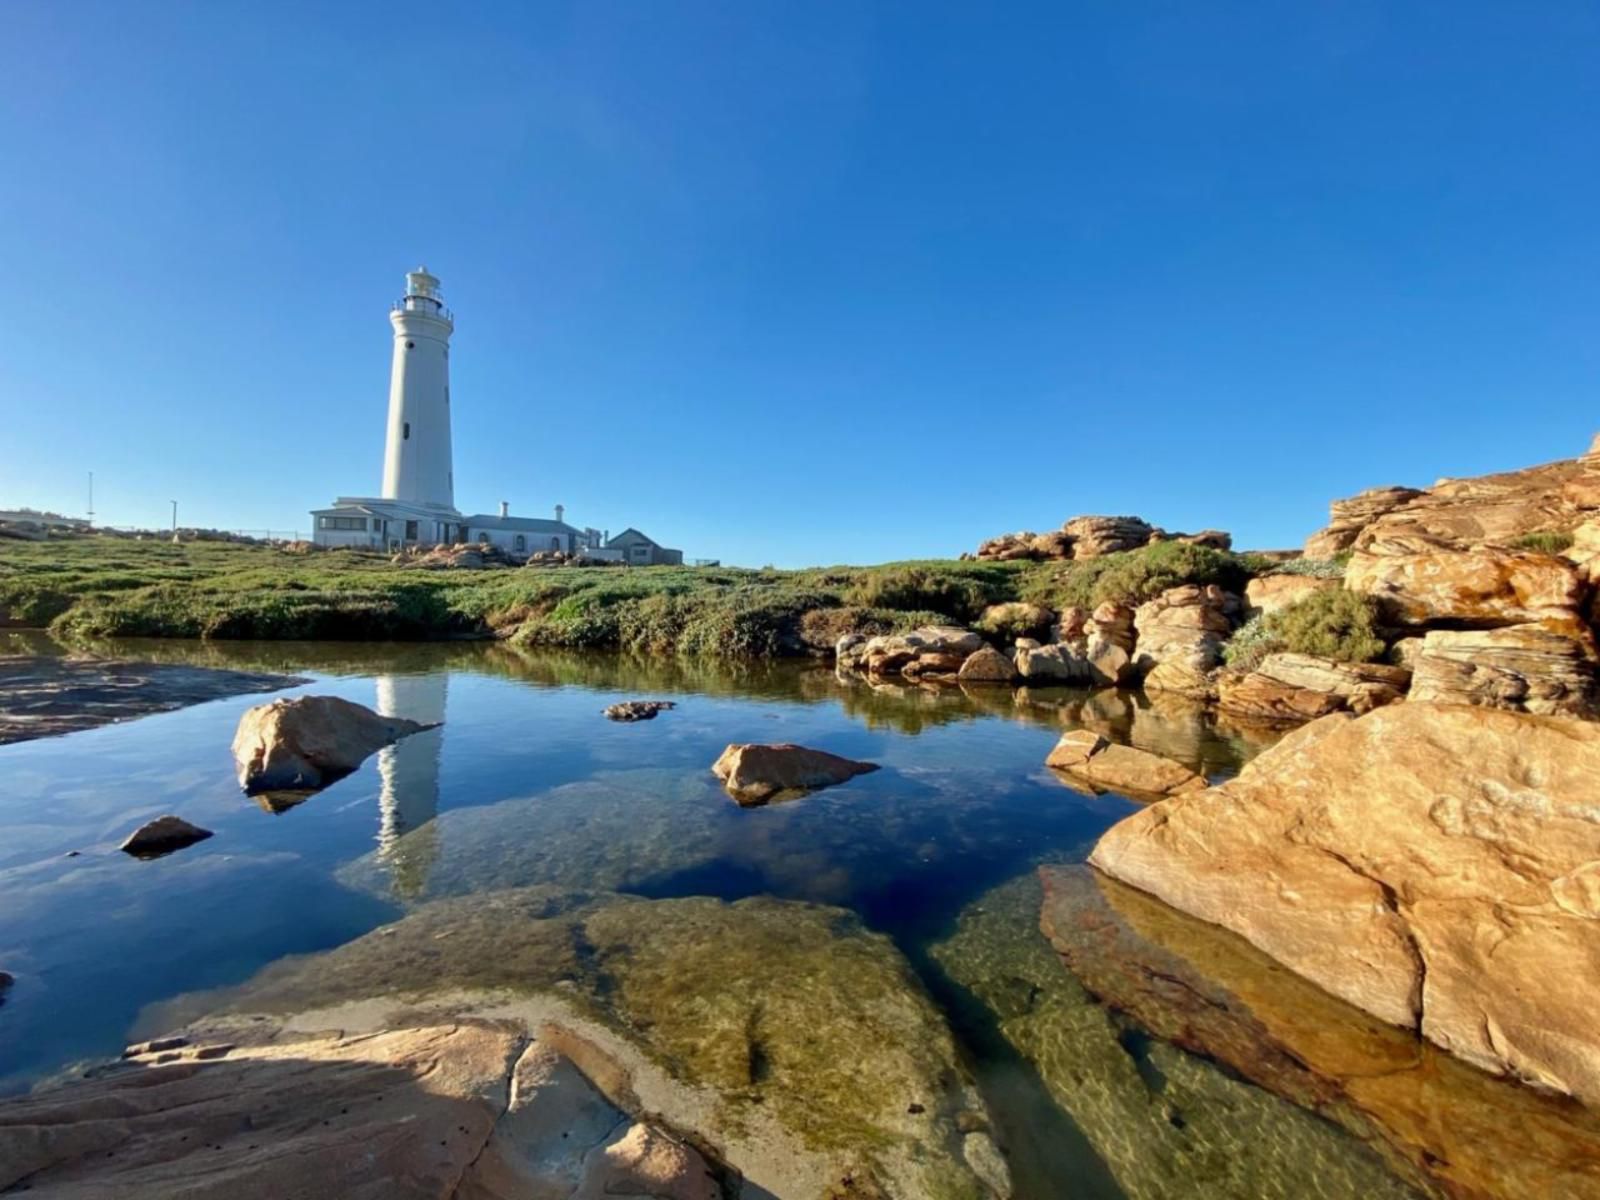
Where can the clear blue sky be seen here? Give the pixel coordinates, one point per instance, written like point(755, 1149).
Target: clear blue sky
point(807, 282)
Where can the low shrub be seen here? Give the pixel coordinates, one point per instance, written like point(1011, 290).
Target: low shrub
point(955, 594)
point(1134, 576)
point(1548, 541)
point(1319, 568)
point(1330, 623)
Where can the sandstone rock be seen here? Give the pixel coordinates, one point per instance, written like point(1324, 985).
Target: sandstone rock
point(1442, 1126)
point(1070, 625)
point(1216, 539)
point(161, 836)
point(941, 648)
point(987, 666)
point(1524, 668)
point(638, 710)
point(1051, 545)
point(1180, 637)
point(308, 742)
point(1124, 769)
point(1015, 619)
point(1301, 687)
point(1106, 662)
point(1350, 517)
point(1095, 536)
point(1114, 622)
point(1010, 547)
point(1269, 593)
point(1432, 865)
point(1418, 581)
point(1059, 664)
point(755, 774)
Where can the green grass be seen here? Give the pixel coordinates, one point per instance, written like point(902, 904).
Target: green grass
point(1549, 541)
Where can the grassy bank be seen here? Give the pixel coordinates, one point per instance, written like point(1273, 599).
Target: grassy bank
point(105, 587)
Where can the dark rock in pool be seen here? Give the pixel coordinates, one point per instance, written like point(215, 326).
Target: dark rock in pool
point(6, 980)
point(308, 742)
point(1447, 1127)
point(46, 695)
point(755, 773)
point(638, 710)
point(162, 836)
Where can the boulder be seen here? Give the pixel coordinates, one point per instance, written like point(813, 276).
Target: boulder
point(1095, 536)
point(1114, 622)
point(1524, 668)
point(1108, 765)
point(987, 666)
point(931, 648)
point(1180, 637)
point(1216, 539)
point(1058, 663)
point(161, 836)
point(1269, 593)
point(1301, 687)
point(1419, 582)
point(1433, 865)
point(308, 742)
point(755, 774)
point(1011, 547)
point(1070, 625)
point(638, 710)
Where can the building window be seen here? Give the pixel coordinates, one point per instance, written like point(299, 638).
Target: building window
point(353, 523)
point(411, 531)
point(406, 433)
point(483, 539)
point(411, 345)
point(555, 543)
point(521, 543)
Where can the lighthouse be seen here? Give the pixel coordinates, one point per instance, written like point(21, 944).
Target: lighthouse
point(417, 465)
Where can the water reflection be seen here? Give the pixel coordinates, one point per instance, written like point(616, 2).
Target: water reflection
point(408, 779)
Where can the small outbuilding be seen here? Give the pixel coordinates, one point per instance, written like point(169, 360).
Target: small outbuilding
point(637, 550)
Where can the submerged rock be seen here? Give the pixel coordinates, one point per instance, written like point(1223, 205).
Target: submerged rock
point(638, 710)
point(308, 742)
point(161, 836)
point(783, 1037)
point(754, 773)
point(1124, 769)
point(1433, 865)
point(1447, 1128)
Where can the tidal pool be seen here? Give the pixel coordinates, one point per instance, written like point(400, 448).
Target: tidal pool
point(526, 784)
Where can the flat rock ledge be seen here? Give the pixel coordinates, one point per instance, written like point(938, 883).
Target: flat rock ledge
point(1436, 866)
point(754, 773)
point(1108, 766)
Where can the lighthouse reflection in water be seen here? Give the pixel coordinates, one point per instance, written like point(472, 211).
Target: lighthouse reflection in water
point(408, 773)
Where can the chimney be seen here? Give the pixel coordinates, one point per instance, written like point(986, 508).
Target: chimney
point(505, 510)
point(560, 512)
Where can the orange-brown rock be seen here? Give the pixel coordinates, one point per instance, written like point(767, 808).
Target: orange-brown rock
point(987, 665)
point(1113, 767)
point(1437, 866)
point(1420, 581)
point(1525, 668)
point(754, 774)
point(1180, 635)
point(307, 742)
point(1350, 517)
point(1300, 687)
point(1269, 593)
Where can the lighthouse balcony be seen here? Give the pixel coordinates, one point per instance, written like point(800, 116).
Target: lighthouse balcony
point(424, 306)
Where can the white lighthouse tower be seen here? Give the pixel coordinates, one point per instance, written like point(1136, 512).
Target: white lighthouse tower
point(417, 464)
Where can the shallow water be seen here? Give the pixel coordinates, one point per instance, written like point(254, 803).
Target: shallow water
point(525, 783)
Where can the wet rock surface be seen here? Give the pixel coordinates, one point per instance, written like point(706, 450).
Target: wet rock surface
point(48, 695)
point(305, 743)
point(1434, 865)
point(1127, 770)
point(1447, 1128)
point(638, 710)
point(794, 1045)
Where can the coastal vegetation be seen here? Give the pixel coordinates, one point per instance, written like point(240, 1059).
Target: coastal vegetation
point(1331, 623)
point(96, 588)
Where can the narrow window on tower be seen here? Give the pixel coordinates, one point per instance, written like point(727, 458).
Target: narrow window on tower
point(411, 345)
point(406, 436)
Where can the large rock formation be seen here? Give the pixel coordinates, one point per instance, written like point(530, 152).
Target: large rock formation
point(1555, 497)
point(1419, 581)
point(754, 773)
point(1129, 771)
point(1269, 593)
point(308, 742)
point(1300, 687)
point(1524, 668)
point(1180, 637)
point(1436, 866)
point(1090, 537)
point(929, 650)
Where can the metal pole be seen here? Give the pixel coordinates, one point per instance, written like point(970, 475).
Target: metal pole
point(174, 520)
point(91, 497)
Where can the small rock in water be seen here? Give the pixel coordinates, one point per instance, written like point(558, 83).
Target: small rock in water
point(638, 710)
point(305, 743)
point(162, 836)
point(755, 774)
point(6, 980)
